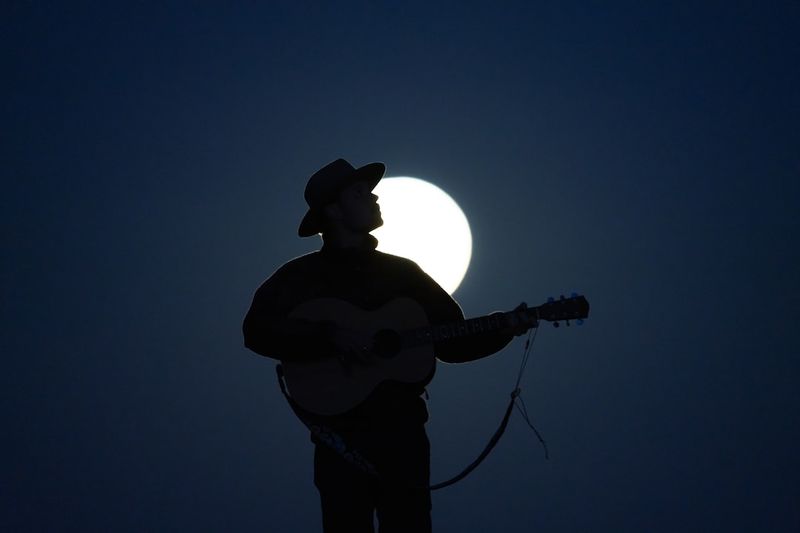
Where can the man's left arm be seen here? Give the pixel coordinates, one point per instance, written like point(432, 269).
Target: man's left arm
point(442, 308)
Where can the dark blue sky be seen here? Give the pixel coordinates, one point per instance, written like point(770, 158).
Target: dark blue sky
point(154, 158)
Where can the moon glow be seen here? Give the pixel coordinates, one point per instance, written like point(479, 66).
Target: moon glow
point(424, 224)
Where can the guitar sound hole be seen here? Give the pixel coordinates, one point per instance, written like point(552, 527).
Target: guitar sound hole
point(387, 343)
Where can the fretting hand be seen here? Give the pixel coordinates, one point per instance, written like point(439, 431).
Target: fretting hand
point(519, 320)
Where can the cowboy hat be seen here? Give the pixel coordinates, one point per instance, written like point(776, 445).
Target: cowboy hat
point(324, 186)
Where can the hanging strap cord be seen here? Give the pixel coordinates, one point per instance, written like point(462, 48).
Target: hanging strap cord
point(515, 395)
point(492, 442)
point(521, 404)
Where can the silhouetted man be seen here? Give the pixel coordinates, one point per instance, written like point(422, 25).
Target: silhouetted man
point(374, 456)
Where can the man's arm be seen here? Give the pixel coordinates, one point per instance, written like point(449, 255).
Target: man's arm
point(474, 347)
point(269, 331)
point(442, 308)
point(286, 338)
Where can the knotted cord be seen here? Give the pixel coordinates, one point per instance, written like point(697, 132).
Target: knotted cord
point(521, 405)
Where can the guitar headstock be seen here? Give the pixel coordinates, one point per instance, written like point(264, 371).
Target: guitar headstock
point(575, 307)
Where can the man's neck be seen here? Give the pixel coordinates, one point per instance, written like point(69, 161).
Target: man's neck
point(349, 241)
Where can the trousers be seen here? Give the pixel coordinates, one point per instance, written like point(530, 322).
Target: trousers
point(399, 497)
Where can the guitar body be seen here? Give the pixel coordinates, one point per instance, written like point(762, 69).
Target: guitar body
point(328, 387)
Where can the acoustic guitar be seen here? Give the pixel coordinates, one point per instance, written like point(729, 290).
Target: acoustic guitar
point(401, 347)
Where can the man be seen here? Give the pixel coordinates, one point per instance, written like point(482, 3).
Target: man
point(387, 429)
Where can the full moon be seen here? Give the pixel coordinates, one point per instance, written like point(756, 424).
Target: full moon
point(424, 224)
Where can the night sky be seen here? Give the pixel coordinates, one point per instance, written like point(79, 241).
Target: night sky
point(644, 154)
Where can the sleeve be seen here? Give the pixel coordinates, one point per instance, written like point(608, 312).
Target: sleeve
point(441, 308)
point(270, 332)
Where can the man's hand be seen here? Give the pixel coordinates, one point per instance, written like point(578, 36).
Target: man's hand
point(519, 320)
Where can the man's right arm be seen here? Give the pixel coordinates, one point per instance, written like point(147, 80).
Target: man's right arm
point(286, 338)
point(269, 331)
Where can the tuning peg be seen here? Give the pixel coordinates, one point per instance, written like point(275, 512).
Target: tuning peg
point(580, 321)
point(555, 324)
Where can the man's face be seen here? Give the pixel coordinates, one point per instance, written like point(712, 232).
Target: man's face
point(358, 209)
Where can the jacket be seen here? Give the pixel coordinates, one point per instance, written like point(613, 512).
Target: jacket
point(368, 279)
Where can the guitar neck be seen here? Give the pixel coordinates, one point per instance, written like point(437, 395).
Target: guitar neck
point(574, 307)
point(458, 329)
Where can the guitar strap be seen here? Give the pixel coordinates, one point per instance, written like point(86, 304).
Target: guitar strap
point(324, 434)
point(320, 432)
point(492, 442)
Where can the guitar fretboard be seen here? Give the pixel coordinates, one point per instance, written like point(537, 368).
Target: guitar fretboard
point(454, 330)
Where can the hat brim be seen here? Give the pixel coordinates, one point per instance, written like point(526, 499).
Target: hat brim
point(371, 173)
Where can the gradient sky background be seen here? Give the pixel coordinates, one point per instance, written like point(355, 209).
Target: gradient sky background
point(644, 154)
